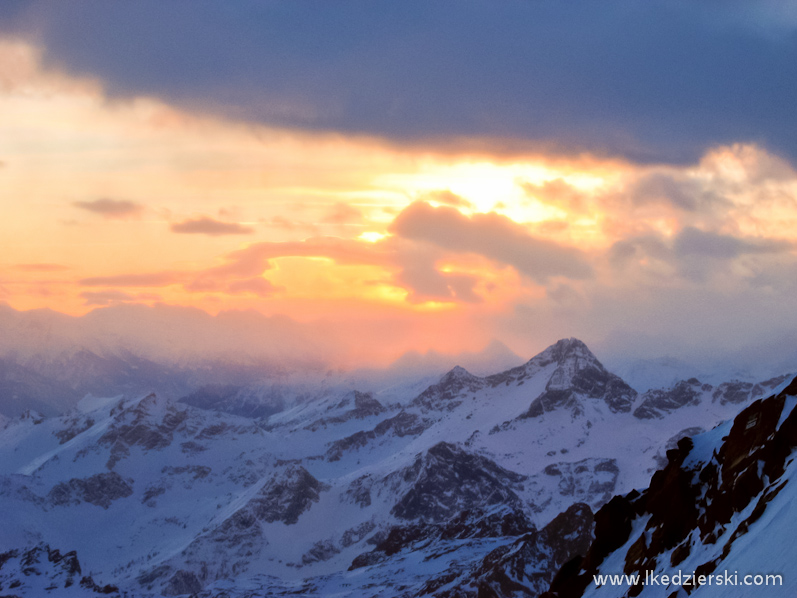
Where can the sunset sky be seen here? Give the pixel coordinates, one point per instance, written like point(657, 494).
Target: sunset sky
point(409, 175)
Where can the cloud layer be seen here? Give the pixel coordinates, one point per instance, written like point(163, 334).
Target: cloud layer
point(651, 80)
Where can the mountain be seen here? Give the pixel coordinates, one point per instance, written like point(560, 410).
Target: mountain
point(720, 512)
point(464, 485)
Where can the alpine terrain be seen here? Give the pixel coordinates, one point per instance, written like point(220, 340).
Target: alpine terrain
point(547, 473)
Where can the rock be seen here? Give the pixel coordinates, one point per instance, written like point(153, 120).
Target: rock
point(100, 489)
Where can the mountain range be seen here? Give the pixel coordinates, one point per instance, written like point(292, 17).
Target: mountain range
point(463, 485)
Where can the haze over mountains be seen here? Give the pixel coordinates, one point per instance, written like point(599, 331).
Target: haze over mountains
point(464, 485)
point(49, 360)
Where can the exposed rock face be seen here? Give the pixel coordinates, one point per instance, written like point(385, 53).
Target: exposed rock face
point(694, 501)
point(578, 376)
point(76, 425)
point(365, 405)
point(403, 423)
point(590, 481)
point(521, 567)
point(227, 550)
point(285, 498)
point(100, 489)
point(149, 424)
point(42, 571)
point(229, 398)
point(527, 566)
point(448, 392)
point(446, 480)
point(738, 392)
point(182, 582)
point(467, 524)
point(362, 405)
point(658, 403)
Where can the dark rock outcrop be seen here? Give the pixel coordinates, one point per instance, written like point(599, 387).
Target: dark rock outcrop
point(402, 424)
point(18, 568)
point(449, 392)
point(578, 376)
point(693, 500)
point(658, 403)
point(100, 489)
point(447, 479)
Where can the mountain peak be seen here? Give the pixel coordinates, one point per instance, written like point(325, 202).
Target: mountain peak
point(456, 373)
point(447, 392)
point(568, 348)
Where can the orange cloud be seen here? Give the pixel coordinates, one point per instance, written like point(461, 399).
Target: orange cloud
point(155, 279)
point(41, 267)
point(493, 236)
point(210, 226)
point(114, 209)
point(111, 297)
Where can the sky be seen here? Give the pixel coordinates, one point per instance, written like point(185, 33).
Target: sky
point(409, 176)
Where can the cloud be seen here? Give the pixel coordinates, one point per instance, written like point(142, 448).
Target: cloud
point(557, 193)
point(112, 297)
point(603, 77)
point(694, 242)
point(210, 226)
point(674, 189)
point(696, 255)
point(113, 209)
point(492, 236)
point(342, 213)
point(446, 197)
point(256, 286)
point(44, 267)
point(154, 279)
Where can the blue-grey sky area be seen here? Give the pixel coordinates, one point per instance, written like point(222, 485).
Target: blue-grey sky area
point(647, 80)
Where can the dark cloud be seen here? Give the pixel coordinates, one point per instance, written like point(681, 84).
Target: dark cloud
point(673, 189)
point(493, 236)
point(114, 209)
point(209, 226)
point(696, 255)
point(650, 245)
point(694, 242)
point(650, 80)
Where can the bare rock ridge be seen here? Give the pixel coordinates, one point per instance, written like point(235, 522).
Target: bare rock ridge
point(578, 376)
point(657, 403)
point(100, 489)
point(447, 393)
point(446, 480)
point(41, 571)
point(691, 514)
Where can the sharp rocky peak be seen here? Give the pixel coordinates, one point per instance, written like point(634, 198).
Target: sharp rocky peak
point(567, 350)
point(457, 374)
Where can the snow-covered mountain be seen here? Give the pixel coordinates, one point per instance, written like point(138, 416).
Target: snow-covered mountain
point(466, 486)
point(717, 520)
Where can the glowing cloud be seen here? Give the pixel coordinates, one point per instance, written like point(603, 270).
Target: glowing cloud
point(114, 209)
point(209, 226)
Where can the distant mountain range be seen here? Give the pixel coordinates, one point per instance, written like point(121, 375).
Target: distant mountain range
point(463, 485)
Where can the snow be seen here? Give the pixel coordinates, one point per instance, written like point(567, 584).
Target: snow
point(169, 511)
